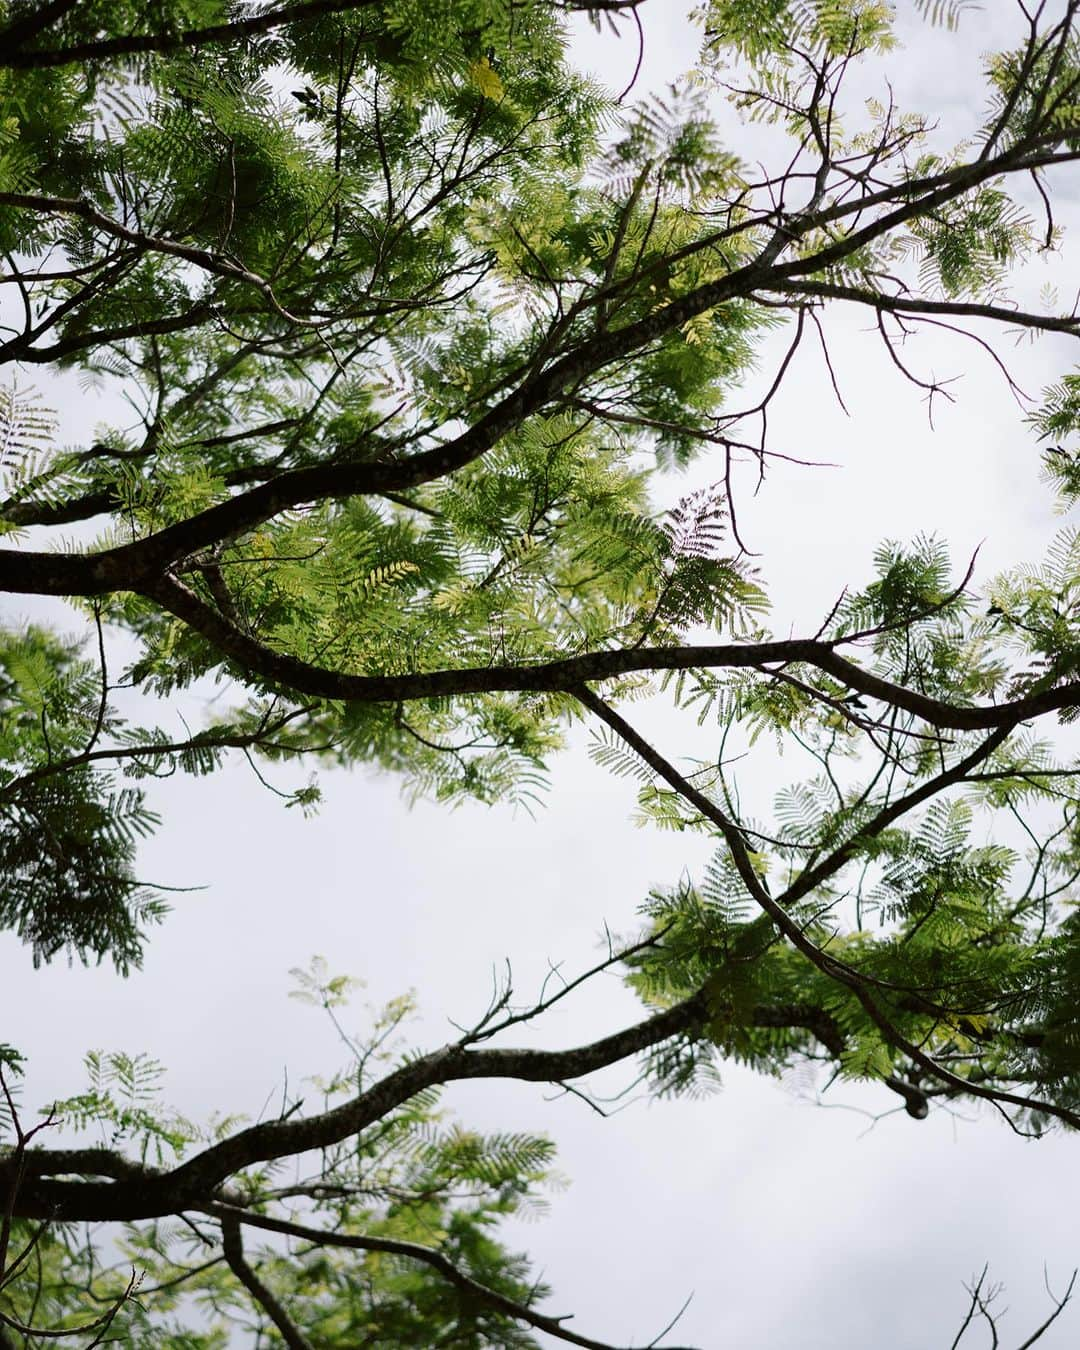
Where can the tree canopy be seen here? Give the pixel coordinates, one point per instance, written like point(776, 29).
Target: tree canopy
point(408, 317)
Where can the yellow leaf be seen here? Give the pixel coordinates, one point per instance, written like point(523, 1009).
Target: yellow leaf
point(759, 862)
point(486, 79)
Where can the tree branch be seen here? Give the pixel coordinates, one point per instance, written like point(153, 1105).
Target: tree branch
point(123, 568)
point(415, 1252)
point(569, 673)
point(193, 1183)
point(233, 1247)
point(1046, 323)
point(131, 44)
point(777, 908)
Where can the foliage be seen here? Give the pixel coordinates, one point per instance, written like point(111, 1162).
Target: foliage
point(414, 1178)
point(396, 321)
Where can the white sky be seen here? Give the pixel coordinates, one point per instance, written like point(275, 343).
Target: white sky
point(792, 1225)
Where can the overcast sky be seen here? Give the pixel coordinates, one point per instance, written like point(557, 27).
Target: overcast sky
point(791, 1224)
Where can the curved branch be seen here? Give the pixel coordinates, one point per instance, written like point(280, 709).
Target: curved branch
point(131, 44)
point(202, 258)
point(569, 673)
point(194, 1182)
point(141, 1191)
point(126, 567)
point(18, 349)
point(415, 1252)
point(839, 971)
point(1047, 323)
point(233, 1247)
point(205, 741)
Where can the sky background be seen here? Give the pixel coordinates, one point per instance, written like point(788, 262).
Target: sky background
point(792, 1224)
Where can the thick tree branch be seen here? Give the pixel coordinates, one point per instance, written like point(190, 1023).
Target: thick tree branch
point(25, 29)
point(194, 1183)
point(141, 1191)
point(138, 1191)
point(568, 674)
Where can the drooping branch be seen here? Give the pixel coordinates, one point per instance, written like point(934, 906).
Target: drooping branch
point(231, 1220)
point(232, 1244)
point(205, 742)
point(776, 907)
point(99, 501)
point(21, 348)
point(205, 259)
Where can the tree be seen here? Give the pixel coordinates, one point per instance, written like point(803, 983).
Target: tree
point(410, 315)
